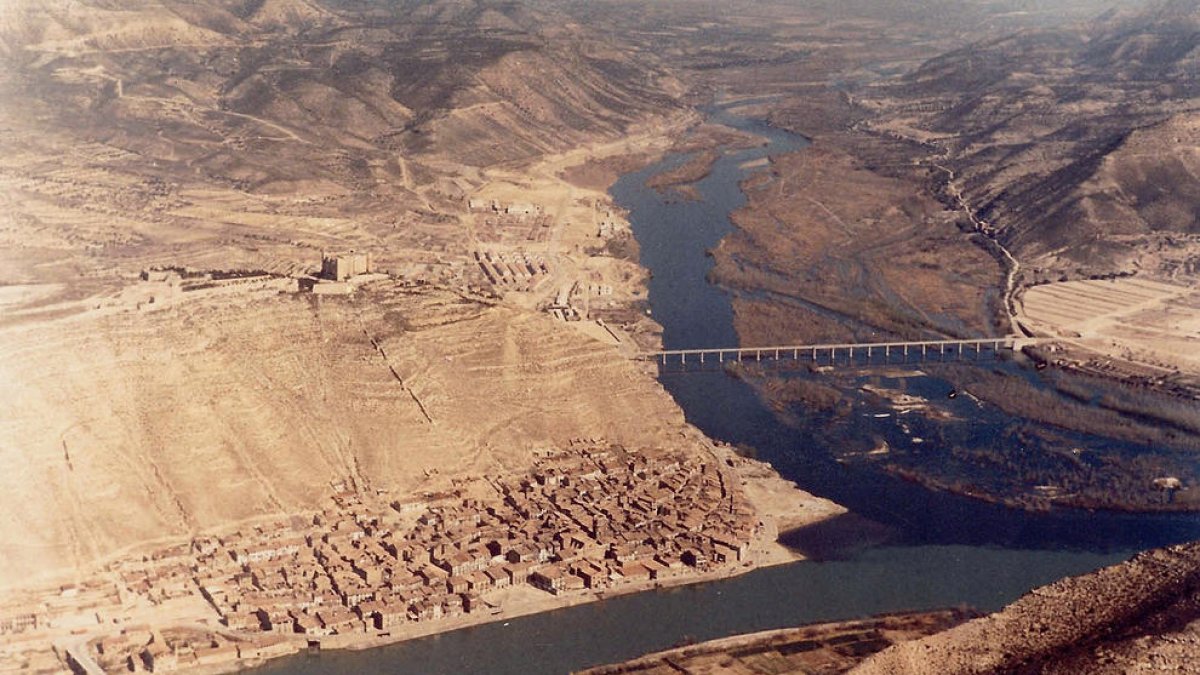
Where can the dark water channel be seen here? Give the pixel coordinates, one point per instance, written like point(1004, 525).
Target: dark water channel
point(674, 237)
point(945, 550)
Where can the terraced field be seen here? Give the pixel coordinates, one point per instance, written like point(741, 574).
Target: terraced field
point(285, 397)
point(1150, 322)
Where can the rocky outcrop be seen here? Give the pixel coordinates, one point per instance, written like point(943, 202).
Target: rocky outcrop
point(1137, 616)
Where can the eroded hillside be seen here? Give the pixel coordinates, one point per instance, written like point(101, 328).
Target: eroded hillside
point(126, 427)
point(1076, 147)
point(240, 139)
point(252, 135)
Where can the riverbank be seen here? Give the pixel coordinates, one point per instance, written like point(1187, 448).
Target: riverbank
point(849, 239)
point(730, 409)
point(672, 245)
point(237, 599)
point(826, 647)
point(779, 505)
point(190, 590)
point(1132, 617)
point(679, 180)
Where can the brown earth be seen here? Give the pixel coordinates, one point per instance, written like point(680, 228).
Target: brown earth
point(1137, 321)
point(833, 243)
point(1063, 141)
point(1037, 143)
point(130, 426)
point(250, 136)
point(224, 135)
point(233, 143)
point(247, 137)
point(818, 648)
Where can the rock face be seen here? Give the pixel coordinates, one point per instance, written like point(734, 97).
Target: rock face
point(127, 427)
point(1140, 615)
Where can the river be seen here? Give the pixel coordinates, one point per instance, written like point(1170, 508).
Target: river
point(946, 550)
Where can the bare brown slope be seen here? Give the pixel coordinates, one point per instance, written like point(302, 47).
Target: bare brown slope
point(369, 78)
point(224, 133)
point(1075, 145)
point(1145, 198)
point(122, 428)
point(1117, 620)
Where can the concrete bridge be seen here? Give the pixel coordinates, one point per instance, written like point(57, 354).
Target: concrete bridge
point(905, 351)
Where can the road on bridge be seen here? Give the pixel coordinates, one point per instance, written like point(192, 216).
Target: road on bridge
point(922, 348)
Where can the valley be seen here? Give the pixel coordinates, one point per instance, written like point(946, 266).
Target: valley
point(531, 196)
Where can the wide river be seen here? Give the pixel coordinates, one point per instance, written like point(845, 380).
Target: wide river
point(946, 550)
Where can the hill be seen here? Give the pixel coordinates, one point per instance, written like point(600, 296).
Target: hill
point(236, 134)
point(1075, 146)
point(223, 139)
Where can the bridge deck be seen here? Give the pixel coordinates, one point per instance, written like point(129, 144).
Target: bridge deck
point(1006, 342)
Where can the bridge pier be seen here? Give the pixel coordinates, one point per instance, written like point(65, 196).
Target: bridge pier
point(955, 348)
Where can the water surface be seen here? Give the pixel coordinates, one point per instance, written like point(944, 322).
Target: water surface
point(617, 629)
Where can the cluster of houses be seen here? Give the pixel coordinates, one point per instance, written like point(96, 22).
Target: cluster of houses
point(621, 518)
point(586, 520)
point(517, 270)
point(507, 223)
point(480, 205)
point(140, 648)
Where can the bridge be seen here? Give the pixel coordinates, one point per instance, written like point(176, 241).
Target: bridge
point(922, 349)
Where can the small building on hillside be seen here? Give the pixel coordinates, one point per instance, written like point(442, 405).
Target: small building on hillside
point(521, 209)
point(342, 266)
